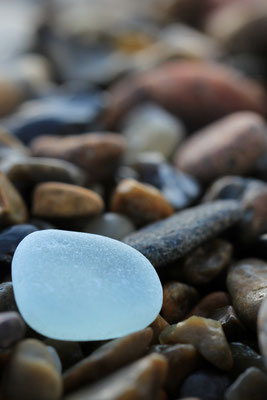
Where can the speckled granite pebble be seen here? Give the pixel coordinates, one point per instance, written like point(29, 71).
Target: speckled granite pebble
point(168, 240)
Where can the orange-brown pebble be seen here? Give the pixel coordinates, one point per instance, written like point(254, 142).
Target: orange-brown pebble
point(178, 299)
point(62, 200)
point(230, 146)
point(157, 326)
point(198, 92)
point(98, 154)
point(206, 335)
point(141, 380)
point(140, 202)
point(210, 303)
point(12, 207)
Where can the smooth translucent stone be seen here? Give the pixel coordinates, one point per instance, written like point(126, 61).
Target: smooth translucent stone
point(80, 286)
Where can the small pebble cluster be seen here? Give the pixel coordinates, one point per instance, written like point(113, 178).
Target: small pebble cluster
point(133, 200)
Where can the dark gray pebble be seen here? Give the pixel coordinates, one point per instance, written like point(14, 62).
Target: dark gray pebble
point(166, 241)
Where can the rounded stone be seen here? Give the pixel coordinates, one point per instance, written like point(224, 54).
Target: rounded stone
point(112, 225)
point(231, 145)
point(81, 287)
point(63, 200)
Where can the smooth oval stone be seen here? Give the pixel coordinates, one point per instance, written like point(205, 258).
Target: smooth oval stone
point(81, 287)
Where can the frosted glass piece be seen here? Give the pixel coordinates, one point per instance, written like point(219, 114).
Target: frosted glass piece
point(81, 287)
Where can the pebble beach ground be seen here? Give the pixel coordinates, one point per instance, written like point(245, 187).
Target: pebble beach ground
point(143, 122)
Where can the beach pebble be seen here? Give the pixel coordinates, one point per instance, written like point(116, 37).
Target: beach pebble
point(205, 384)
point(140, 380)
point(151, 128)
point(209, 303)
point(178, 299)
point(69, 353)
point(231, 145)
point(244, 357)
point(79, 286)
point(13, 209)
point(262, 329)
point(197, 92)
point(157, 326)
point(252, 384)
point(32, 373)
point(252, 194)
point(204, 263)
point(180, 189)
point(29, 171)
point(98, 154)
point(12, 328)
point(166, 241)
point(107, 358)
point(7, 299)
point(140, 202)
point(232, 326)
point(110, 224)
point(206, 335)
point(182, 360)
point(9, 240)
point(63, 200)
point(247, 297)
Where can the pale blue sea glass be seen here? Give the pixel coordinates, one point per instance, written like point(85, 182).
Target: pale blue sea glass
point(80, 286)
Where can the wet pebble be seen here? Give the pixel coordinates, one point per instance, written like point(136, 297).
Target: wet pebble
point(27, 172)
point(140, 380)
point(252, 194)
point(12, 328)
point(232, 326)
point(204, 263)
point(229, 146)
point(157, 326)
point(110, 224)
point(107, 358)
point(9, 240)
point(98, 154)
point(210, 303)
point(7, 299)
point(182, 360)
point(62, 200)
point(180, 189)
point(205, 384)
point(69, 353)
point(244, 357)
point(166, 241)
point(252, 384)
point(32, 373)
point(206, 335)
point(178, 300)
point(247, 297)
point(262, 329)
point(13, 209)
point(140, 202)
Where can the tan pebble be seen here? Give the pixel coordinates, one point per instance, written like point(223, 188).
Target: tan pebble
point(61, 200)
point(12, 207)
point(141, 380)
point(248, 296)
point(262, 329)
point(230, 146)
point(178, 299)
point(31, 373)
point(142, 203)
point(206, 335)
point(107, 359)
point(182, 360)
point(98, 154)
point(157, 326)
point(10, 97)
